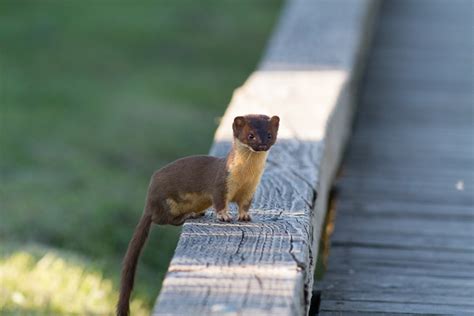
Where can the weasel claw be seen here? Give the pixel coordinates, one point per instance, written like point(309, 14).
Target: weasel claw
point(224, 217)
point(244, 217)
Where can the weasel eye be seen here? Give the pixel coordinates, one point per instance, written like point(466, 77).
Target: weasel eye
point(269, 136)
point(251, 136)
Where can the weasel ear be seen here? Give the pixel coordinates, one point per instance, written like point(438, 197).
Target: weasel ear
point(275, 120)
point(239, 121)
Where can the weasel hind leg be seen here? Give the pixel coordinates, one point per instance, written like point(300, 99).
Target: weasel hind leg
point(166, 215)
point(197, 214)
point(161, 213)
point(163, 217)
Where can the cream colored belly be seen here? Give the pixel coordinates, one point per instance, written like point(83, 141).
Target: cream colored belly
point(189, 203)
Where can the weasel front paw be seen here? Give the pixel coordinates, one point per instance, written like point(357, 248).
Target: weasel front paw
point(224, 217)
point(244, 217)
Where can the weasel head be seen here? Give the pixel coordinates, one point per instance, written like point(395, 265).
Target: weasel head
point(257, 132)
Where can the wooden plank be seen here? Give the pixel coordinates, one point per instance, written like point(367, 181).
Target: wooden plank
point(265, 267)
point(419, 98)
point(441, 118)
point(418, 133)
point(417, 240)
point(413, 192)
point(355, 313)
point(425, 85)
point(448, 152)
point(380, 266)
point(386, 208)
point(400, 297)
point(423, 150)
point(400, 67)
point(412, 196)
point(407, 225)
point(422, 160)
point(371, 184)
point(450, 176)
point(418, 32)
point(409, 256)
point(430, 11)
point(381, 54)
point(395, 307)
point(428, 284)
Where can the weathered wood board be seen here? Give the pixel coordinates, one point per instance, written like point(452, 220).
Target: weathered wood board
point(404, 231)
point(265, 267)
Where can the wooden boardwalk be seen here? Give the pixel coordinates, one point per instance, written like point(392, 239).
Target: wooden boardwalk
point(404, 230)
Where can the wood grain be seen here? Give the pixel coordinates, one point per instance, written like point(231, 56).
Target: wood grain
point(265, 267)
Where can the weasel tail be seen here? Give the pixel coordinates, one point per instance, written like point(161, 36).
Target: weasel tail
point(130, 263)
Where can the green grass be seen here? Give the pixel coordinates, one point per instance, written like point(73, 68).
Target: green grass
point(43, 281)
point(93, 98)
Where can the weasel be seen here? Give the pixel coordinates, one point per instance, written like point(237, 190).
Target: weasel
point(187, 187)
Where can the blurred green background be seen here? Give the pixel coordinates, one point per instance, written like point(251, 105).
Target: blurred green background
point(94, 96)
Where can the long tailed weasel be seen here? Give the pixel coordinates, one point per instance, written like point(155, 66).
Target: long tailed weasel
point(187, 187)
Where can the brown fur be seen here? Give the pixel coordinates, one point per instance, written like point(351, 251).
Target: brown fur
point(189, 186)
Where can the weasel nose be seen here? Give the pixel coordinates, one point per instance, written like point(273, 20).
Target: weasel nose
point(262, 147)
